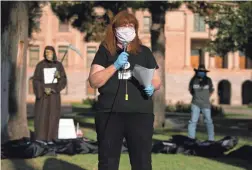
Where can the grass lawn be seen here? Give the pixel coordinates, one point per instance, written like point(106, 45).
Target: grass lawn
point(160, 161)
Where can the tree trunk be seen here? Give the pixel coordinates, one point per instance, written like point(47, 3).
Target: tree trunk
point(158, 49)
point(14, 43)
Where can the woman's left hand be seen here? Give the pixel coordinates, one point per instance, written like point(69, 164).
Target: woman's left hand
point(149, 90)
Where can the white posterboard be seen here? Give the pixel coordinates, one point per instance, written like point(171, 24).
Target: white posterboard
point(49, 75)
point(66, 129)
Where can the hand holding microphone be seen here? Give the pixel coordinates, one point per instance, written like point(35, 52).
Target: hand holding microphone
point(121, 60)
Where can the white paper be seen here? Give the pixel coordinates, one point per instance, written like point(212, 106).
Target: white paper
point(143, 75)
point(49, 75)
point(66, 129)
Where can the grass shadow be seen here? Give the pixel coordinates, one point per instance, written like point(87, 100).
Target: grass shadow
point(57, 164)
point(224, 126)
point(14, 164)
point(246, 165)
point(230, 127)
point(82, 110)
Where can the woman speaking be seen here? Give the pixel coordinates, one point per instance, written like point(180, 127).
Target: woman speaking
point(125, 108)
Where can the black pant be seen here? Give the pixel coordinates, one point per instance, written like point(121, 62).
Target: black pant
point(136, 128)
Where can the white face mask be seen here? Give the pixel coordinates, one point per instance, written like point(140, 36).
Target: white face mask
point(125, 34)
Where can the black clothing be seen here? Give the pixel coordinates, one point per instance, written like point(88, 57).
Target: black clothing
point(114, 89)
point(137, 128)
point(118, 118)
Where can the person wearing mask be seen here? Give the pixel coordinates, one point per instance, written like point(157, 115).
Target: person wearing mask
point(201, 89)
point(48, 80)
point(125, 108)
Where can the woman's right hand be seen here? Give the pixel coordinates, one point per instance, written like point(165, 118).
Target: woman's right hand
point(121, 60)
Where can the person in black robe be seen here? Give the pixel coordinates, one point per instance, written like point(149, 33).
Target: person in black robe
point(48, 80)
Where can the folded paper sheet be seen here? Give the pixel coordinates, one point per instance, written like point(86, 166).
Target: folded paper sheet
point(143, 75)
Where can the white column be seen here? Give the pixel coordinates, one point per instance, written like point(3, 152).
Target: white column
point(211, 62)
point(49, 30)
point(236, 62)
point(236, 93)
point(230, 60)
point(187, 42)
point(206, 56)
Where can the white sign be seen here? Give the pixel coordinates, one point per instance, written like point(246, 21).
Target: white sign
point(66, 129)
point(125, 75)
point(49, 75)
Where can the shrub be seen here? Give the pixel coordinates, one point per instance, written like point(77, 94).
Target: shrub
point(89, 101)
point(250, 105)
point(217, 110)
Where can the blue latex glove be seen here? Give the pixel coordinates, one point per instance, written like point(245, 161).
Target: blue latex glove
point(121, 60)
point(149, 90)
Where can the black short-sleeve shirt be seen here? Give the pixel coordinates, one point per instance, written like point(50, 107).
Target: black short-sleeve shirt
point(112, 93)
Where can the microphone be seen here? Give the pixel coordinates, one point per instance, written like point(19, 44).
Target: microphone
point(124, 67)
point(125, 44)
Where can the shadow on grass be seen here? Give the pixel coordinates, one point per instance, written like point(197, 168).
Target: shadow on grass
point(230, 127)
point(246, 165)
point(56, 164)
point(224, 126)
point(19, 164)
point(82, 110)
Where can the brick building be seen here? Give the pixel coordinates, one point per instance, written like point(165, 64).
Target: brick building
point(186, 34)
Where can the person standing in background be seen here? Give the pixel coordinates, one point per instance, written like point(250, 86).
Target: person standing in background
point(48, 80)
point(201, 89)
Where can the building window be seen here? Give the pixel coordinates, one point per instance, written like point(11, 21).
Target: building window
point(30, 86)
point(146, 24)
point(248, 63)
point(225, 62)
point(33, 55)
point(199, 23)
point(197, 57)
point(194, 58)
point(90, 91)
point(62, 50)
point(63, 26)
point(244, 62)
point(91, 50)
point(221, 62)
